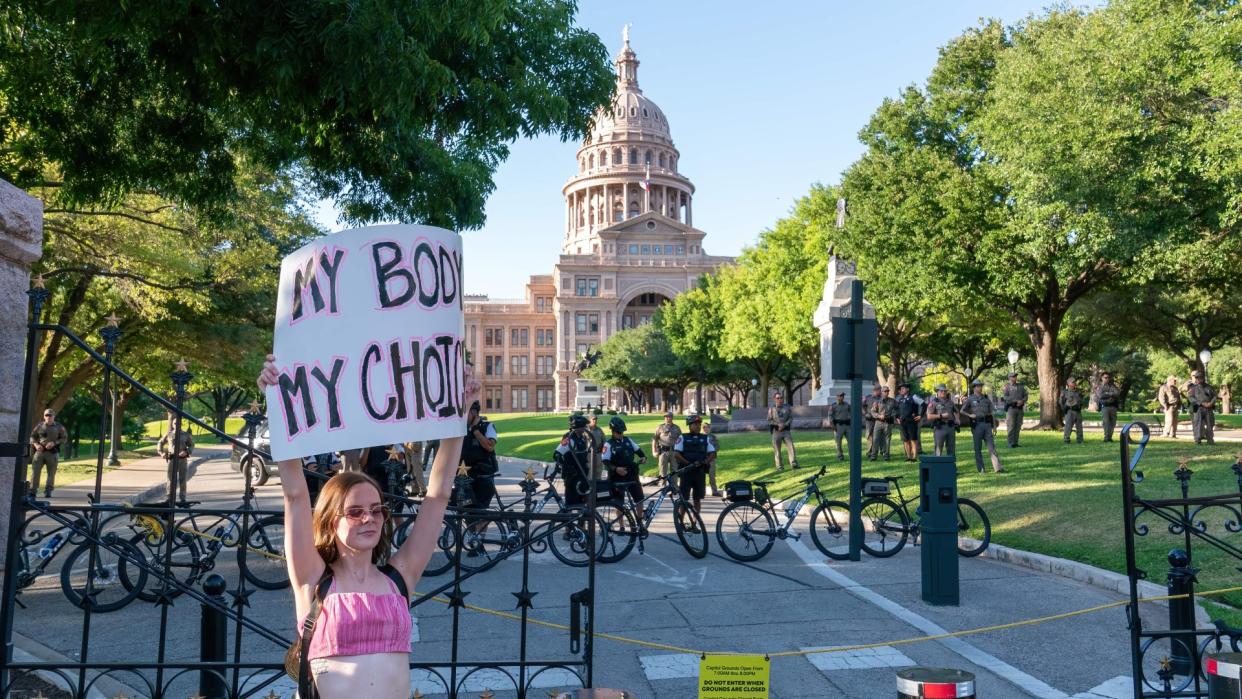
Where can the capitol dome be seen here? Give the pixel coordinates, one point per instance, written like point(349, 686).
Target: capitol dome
point(631, 110)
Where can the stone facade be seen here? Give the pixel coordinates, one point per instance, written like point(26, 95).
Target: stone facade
point(629, 245)
point(21, 245)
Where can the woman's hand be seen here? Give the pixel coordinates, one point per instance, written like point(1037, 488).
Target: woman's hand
point(472, 386)
point(269, 376)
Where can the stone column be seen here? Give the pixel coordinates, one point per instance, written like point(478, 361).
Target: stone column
point(689, 210)
point(21, 245)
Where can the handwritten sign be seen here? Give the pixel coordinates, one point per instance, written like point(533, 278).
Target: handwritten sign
point(368, 341)
point(734, 677)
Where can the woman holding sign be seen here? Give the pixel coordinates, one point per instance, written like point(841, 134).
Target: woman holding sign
point(352, 597)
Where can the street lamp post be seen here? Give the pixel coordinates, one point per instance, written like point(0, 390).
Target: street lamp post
point(1013, 359)
point(1205, 356)
point(754, 386)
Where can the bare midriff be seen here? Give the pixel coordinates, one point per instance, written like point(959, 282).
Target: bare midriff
point(374, 676)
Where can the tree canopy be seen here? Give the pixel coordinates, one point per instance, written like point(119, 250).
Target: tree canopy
point(397, 110)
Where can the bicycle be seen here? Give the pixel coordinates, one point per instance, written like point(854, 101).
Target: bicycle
point(972, 521)
point(108, 594)
point(622, 528)
point(260, 558)
point(747, 528)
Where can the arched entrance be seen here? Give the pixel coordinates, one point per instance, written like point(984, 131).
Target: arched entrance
point(641, 308)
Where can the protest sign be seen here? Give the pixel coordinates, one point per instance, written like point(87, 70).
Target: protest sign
point(368, 341)
point(734, 677)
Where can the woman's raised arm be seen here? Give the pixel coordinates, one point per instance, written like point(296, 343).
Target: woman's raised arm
point(302, 560)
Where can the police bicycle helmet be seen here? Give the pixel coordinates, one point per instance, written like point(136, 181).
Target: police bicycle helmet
point(616, 424)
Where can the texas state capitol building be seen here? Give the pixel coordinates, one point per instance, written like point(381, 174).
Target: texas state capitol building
point(627, 249)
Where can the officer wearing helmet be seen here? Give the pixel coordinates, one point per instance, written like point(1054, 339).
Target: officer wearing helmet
point(694, 452)
point(573, 457)
point(622, 456)
point(478, 452)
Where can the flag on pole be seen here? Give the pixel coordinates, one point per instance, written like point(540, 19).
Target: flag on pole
point(646, 183)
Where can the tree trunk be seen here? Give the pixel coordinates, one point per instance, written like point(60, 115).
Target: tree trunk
point(118, 418)
point(1044, 342)
point(1226, 399)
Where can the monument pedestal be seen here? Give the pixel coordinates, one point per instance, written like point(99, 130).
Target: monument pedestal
point(835, 304)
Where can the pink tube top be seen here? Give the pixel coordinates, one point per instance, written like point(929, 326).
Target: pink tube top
point(359, 623)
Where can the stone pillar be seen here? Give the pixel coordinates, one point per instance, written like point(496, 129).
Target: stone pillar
point(689, 210)
point(21, 244)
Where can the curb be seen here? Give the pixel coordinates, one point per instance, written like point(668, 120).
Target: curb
point(1082, 572)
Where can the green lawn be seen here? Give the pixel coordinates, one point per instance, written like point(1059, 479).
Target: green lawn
point(1155, 420)
point(156, 429)
point(1057, 499)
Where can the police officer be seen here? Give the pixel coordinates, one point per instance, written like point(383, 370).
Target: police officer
point(46, 439)
point(598, 439)
point(478, 452)
point(942, 414)
point(883, 414)
point(711, 472)
point(175, 448)
point(780, 421)
point(868, 421)
point(908, 416)
point(573, 456)
point(979, 409)
point(1108, 397)
point(1014, 399)
point(839, 413)
point(623, 456)
point(663, 441)
point(694, 452)
point(1071, 407)
point(1202, 398)
point(1170, 398)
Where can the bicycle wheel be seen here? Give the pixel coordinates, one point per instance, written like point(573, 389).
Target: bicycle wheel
point(571, 543)
point(973, 523)
point(441, 560)
point(261, 555)
point(830, 529)
point(185, 566)
point(745, 531)
point(108, 591)
point(885, 527)
point(621, 533)
point(690, 529)
point(483, 541)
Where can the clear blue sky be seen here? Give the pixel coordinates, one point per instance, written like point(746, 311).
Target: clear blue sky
point(764, 99)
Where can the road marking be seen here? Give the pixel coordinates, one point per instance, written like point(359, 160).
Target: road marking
point(670, 666)
point(694, 578)
point(1022, 680)
point(1120, 687)
point(861, 659)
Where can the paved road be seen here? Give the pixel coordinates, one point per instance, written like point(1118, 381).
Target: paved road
point(790, 600)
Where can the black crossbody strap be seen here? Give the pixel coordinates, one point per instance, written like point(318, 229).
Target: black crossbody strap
point(397, 579)
point(305, 684)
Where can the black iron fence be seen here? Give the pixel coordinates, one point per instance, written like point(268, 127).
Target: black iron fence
point(1168, 654)
point(115, 554)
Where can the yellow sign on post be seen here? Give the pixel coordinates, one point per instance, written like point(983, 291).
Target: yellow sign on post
point(733, 677)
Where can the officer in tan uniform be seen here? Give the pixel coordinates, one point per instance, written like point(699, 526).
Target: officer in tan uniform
point(868, 421)
point(1108, 397)
point(780, 421)
point(597, 439)
point(942, 414)
point(1170, 399)
point(1071, 408)
point(979, 409)
point(46, 439)
point(840, 414)
point(177, 453)
point(1202, 397)
point(884, 414)
point(1014, 399)
point(662, 443)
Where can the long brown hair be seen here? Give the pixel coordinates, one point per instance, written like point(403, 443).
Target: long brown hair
point(328, 511)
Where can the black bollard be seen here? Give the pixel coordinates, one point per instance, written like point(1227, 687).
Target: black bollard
point(1224, 675)
point(213, 637)
point(1181, 613)
point(935, 683)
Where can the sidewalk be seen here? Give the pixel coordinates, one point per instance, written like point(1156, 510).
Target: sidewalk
point(137, 481)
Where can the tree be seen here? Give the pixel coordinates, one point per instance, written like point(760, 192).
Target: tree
point(639, 359)
point(1042, 159)
point(398, 110)
point(747, 335)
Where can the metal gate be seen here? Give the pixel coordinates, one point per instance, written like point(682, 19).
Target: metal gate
point(1168, 648)
point(126, 556)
